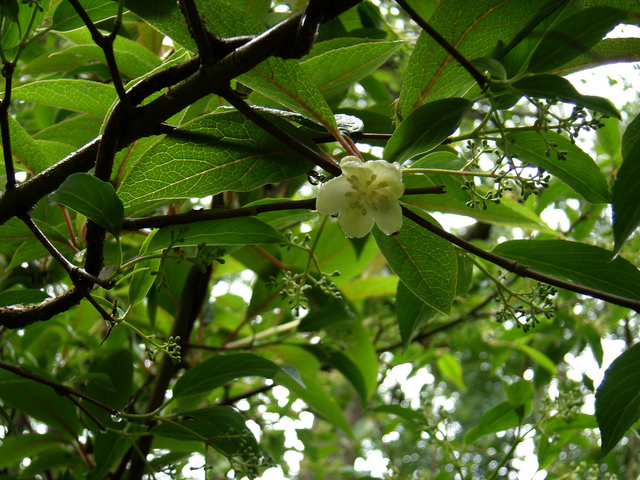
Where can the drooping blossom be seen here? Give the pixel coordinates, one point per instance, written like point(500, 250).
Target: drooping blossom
point(365, 193)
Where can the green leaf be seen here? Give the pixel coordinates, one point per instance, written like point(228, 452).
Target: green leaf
point(580, 421)
point(75, 131)
point(626, 188)
point(577, 170)
point(584, 264)
point(94, 199)
point(573, 36)
point(286, 83)
point(164, 16)
point(520, 394)
point(227, 231)
point(425, 128)
point(216, 424)
point(618, 398)
point(404, 412)
point(83, 96)
point(15, 449)
point(118, 365)
point(425, 263)
point(23, 296)
point(356, 341)
point(134, 60)
point(26, 152)
point(29, 17)
point(40, 402)
point(220, 370)
point(474, 29)
point(143, 273)
point(212, 154)
point(451, 369)
point(221, 427)
point(537, 356)
point(515, 55)
point(412, 314)
point(341, 362)
point(345, 61)
point(608, 51)
point(501, 417)
point(256, 8)
point(49, 461)
point(556, 87)
point(507, 212)
point(15, 233)
point(10, 10)
point(111, 447)
point(66, 18)
point(332, 312)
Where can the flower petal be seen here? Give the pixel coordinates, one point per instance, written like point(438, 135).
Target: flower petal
point(331, 195)
point(388, 217)
point(389, 173)
point(354, 223)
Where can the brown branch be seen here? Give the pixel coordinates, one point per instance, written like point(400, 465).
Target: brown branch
point(194, 294)
point(193, 216)
point(519, 269)
point(60, 389)
point(481, 79)
point(7, 72)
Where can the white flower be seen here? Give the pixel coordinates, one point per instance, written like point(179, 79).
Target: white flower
point(365, 193)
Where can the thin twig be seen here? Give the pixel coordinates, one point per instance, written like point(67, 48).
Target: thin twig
point(519, 269)
point(60, 389)
point(78, 275)
point(105, 42)
point(193, 216)
point(319, 158)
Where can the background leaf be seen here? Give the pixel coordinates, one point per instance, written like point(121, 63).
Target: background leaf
point(39, 401)
point(217, 371)
point(625, 196)
point(66, 18)
point(501, 417)
point(412, 313)
point(82, 96)
point(618, 398)
point(573, 36)
point(555, 87)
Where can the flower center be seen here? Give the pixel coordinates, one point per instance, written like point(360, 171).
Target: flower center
point(365, 194)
